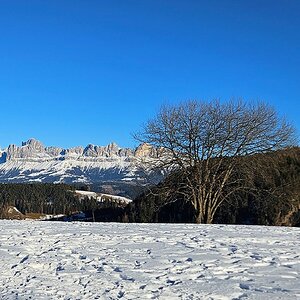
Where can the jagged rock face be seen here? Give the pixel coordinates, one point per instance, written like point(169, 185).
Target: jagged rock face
point(111, 150)
point(145, 150)
point(31, 148)
point(34, 144)
point(54, 151)
point(34, 162)
point(71, 151)
point(35, 149)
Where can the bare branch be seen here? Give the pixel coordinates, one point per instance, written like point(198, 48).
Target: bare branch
point(205, 141)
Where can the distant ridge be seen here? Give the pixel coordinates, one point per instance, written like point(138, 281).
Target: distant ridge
point(34, 162)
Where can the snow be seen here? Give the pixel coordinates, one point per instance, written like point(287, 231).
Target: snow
point(51, 217)
point(13, 209)
point(87, 194)
point(101, 197)
point(55, 260)
point(77, 169)
point(32, 162)
point(115, 198)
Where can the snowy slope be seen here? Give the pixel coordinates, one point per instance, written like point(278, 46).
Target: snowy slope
point(43, 260)
point(100, 197)
point(34, 162)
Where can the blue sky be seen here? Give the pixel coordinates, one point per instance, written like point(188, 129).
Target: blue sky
point(78, 72)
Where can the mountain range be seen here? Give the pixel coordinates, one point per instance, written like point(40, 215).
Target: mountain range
point(33, 162)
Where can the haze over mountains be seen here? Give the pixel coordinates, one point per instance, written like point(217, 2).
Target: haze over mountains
point(33, 162)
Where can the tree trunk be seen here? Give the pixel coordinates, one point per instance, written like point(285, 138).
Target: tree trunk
point(198, 219)
point(201, 218)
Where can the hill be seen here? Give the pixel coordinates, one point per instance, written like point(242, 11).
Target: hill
point(272, 196)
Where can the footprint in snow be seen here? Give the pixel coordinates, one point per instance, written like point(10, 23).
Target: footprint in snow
point(233, 248)
point(100, 269)
point(120, 294)
point(173, 282)
point(137, 264)
point(59, 267)
point(244, 286)
point(24, 259)
point(256, 256)
point(117, 269)
point(127, 278)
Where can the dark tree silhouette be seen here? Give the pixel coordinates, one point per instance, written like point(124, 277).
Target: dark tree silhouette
point(206, 140)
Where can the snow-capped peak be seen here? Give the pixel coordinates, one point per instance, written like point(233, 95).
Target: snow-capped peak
point(32, 161)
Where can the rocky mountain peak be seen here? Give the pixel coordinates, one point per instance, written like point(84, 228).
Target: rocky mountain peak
point(32, 161)
point(34, 144)
point(34, 149)
point(145, 150)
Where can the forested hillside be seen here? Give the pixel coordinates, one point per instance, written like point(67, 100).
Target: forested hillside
point(42, 198)
point(271, 196)
point(38, 198)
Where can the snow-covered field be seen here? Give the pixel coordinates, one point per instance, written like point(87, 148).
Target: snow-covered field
point(53, 260)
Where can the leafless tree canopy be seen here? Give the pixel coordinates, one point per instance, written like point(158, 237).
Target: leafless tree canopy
point(205, 141)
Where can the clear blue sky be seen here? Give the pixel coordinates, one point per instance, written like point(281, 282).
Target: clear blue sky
point(78, 72)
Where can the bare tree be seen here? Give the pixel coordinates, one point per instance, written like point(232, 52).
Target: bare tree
point(205, 141)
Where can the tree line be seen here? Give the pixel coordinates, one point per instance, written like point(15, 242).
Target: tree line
point(46, 198)
point(272, 198)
